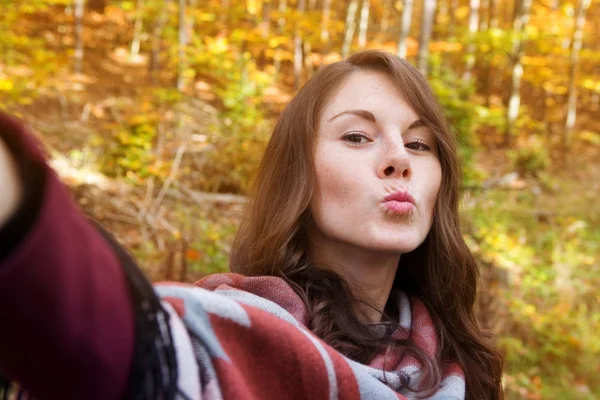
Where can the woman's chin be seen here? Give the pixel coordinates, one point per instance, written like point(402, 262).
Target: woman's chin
point(396, 245)
point(393, 239)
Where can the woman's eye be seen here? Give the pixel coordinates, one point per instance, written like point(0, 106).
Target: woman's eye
point(356, 138)
point(418, 145)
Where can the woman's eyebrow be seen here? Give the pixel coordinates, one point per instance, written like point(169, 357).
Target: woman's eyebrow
point(364, 114)
point(367, 115)
point(417, 124)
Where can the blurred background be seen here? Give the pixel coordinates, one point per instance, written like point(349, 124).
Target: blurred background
point(156, 114)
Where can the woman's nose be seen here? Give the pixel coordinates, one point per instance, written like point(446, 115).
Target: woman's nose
point(396, 163)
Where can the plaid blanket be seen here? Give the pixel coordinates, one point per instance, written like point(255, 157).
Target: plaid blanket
point(243, 337)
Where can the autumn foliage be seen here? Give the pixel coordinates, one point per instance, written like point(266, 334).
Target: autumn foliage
point(156, 113)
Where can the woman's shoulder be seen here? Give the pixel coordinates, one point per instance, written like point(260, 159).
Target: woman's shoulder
point(268, 293)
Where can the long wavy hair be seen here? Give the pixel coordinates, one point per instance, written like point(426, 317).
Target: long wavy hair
point(441, 271)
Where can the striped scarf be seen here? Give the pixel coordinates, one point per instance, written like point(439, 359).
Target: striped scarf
point(240, 337)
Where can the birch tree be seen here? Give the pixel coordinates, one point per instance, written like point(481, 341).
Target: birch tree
point(441, 14)
point(223, 17)
point(191, 23)
point(492, 14)
point(484, 20)
point(137, 29)
point(425, 35)
point(473, 26)
point(282, 7)
point(576, 41)
point(78, 15)
point(298, 59)
point(510, 10)
point(350, 23)
point(520, 22)
point(308, 62)
point(407, 11)
point(181, 46)
point(325, 18)
point(265, 23)
point(385, 16)
point(488, 77)
point(452, 7)
point(157, 35)
point(364, 24)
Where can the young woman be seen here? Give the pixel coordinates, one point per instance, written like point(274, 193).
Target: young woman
point(352, 279)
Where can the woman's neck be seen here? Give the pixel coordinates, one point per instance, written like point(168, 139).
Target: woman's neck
point(370, 274)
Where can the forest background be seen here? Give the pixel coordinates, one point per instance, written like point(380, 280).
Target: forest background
point(157, 112)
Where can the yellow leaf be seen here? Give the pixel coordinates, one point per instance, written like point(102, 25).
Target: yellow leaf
point(273, 42)
point(529, 310)
point(6, 85)
point(252, 7)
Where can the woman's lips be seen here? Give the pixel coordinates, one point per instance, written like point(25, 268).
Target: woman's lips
point(400, 202)
point(399, 207)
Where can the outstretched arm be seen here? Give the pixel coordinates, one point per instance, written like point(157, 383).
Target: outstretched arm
point(65, 309)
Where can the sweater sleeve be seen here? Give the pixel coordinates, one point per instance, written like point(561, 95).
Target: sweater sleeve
point(65, 309)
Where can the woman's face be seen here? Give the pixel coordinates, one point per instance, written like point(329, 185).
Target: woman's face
point(377, 169)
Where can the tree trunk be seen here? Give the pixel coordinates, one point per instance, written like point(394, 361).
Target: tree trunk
point(265, 22)
point(514, 102)
point(385, 16)
point(137, 29)
point(441, 13)
point(325, 22)
point(280, 24)
point(425, 36)
point(453, 6)
point(407, 11)
point(484, 21)
point(576, 41)
point(492, 15)
point(364, 24)
point(489, 77)
point(298, 53)
point(307, 47)
point(308, 64)
point(473, 25)
point(510, 9)
point(78, 14)
point(350, 23)
point(282, 8)
point(181, 46)
point(223, 17)
point(157, 41)
point(191, 22)
point(96, 5)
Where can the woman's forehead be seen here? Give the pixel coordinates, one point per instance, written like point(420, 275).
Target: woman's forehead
point(370, 91)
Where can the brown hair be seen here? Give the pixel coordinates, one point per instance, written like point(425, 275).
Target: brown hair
point(441, 272)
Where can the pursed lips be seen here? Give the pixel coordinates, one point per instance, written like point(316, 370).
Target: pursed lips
point(399, 202)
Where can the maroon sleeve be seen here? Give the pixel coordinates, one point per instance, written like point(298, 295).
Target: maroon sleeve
point(66, 317)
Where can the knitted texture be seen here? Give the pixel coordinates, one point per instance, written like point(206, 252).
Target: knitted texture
point(247, 339)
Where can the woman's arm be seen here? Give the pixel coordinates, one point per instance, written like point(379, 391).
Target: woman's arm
point(67, 321)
